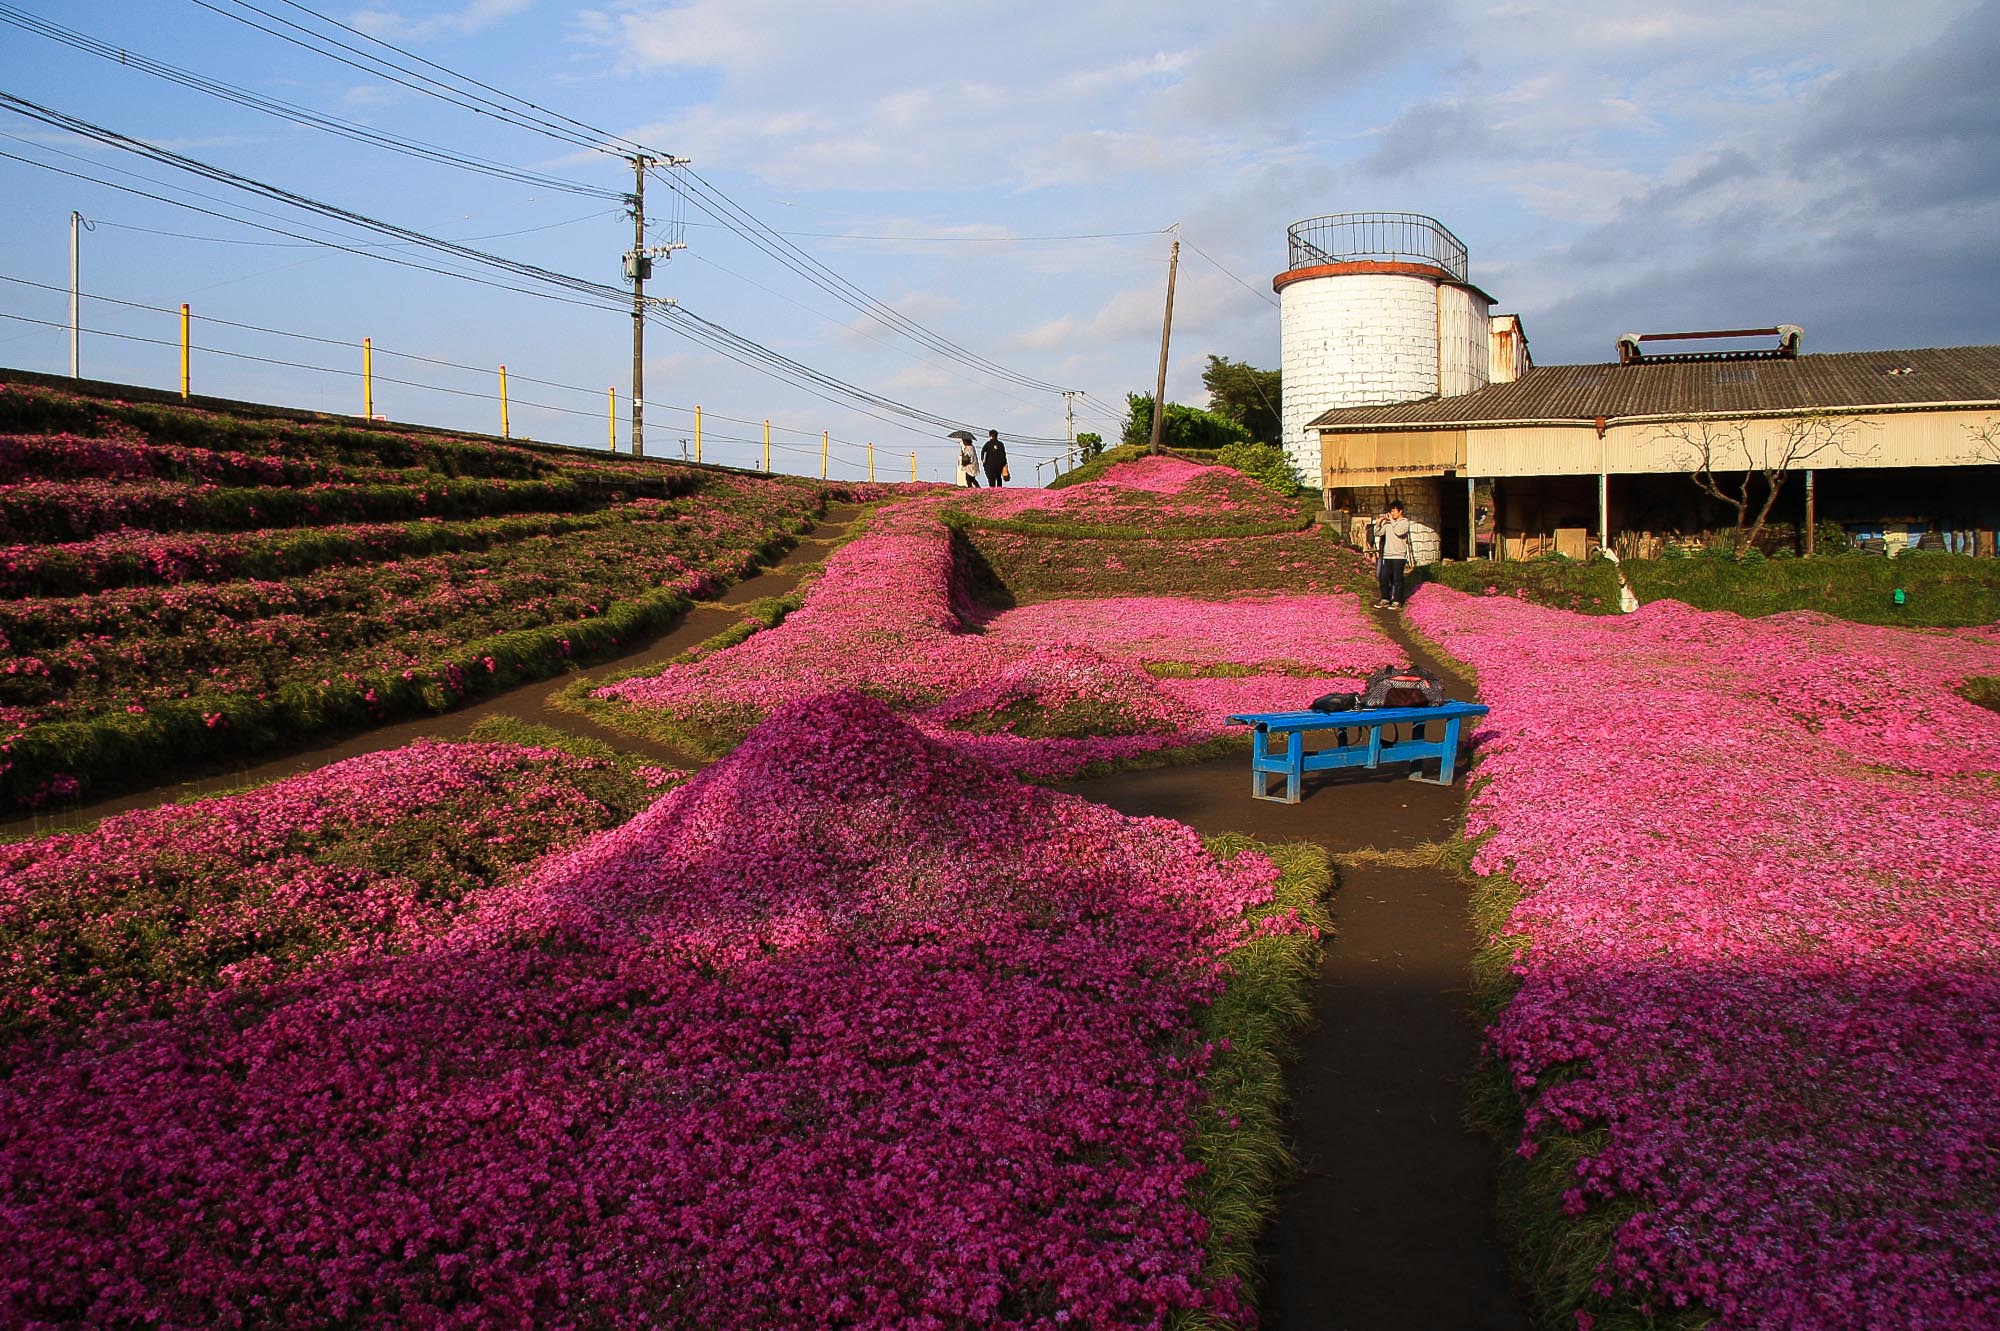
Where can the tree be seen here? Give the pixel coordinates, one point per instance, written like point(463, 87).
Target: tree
point(1714, 452)
point(1245, 394)
point(1089, 445)
point(1985, 441)
point(1185, 427)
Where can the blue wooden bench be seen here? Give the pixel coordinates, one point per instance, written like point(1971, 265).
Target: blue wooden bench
point(1292, 760)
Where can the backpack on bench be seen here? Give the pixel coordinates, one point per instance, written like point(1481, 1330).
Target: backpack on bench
point(1410, 686)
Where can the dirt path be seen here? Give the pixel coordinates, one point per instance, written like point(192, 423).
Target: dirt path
point(531, 702)
point(1390, 1223)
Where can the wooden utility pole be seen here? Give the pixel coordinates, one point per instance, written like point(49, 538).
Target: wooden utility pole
point(638, 267)
point(1166, 334)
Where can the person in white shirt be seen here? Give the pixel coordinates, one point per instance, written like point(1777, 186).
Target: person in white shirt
point(1392, 548)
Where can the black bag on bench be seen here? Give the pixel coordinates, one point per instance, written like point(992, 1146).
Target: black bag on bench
point(1411, 686)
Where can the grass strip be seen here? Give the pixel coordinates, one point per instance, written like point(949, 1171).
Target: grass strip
point(1983, 690)
point(1239, 1134)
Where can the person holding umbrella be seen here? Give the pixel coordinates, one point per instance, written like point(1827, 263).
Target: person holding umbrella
point(968, 470)
point(994, 454)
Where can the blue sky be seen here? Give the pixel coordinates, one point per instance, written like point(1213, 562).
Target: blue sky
point(1003, 176)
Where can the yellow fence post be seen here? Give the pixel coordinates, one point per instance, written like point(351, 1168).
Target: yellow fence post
point(368, 378)
point(611, 419)
point(871, 461)
point(697, 434)
point(913, 464)
point(503, 404)
point(184, 349)
point(822, 454)
point(767, 445)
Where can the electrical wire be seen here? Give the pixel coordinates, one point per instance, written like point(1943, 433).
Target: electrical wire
point(298, 115)
point(566, 129)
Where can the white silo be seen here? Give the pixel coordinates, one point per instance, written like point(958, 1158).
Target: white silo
point(1374, 309)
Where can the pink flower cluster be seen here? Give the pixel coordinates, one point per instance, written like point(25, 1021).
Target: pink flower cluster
point(1049, 687)
point(1145, 492)
point(849, 1029)
point(364, 855)
point(1761, 905)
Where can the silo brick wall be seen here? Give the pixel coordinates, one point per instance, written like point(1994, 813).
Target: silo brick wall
point(1354, 340)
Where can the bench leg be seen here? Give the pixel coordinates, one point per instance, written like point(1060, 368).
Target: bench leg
point(1260, 777)
point(1447, 763)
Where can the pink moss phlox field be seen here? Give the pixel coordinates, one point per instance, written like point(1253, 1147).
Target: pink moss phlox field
point(848, 1029)
point(1147, 491)
point(365, 854)
point(1761, 901)
point(889, 616)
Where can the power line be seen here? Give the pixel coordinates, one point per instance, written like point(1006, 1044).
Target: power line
point(296, 114)
point(566, 129)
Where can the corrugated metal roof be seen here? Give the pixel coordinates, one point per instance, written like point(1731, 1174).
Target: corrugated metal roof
point(1841, 380)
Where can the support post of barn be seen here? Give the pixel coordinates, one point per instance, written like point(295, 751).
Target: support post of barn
point(1603, 488)
point(1471, 518)
point(1812, 511)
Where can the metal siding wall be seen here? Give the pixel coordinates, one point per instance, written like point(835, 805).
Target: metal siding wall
point(1902, 439)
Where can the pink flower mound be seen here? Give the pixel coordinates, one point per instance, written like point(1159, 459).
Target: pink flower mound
point(366, 854)
point(1061, 677)
point(1160, 474)
point(1328, 634)
point(849, 1029)
point(1758, 882)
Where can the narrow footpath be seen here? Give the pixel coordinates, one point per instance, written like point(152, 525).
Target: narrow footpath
point(531, 702)
point(1390, 1222)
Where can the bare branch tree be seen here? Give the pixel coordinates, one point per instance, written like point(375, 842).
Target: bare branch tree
point(1985, 440)
point(1723, 462)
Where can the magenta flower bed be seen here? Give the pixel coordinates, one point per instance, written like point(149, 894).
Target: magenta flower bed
point(849, 1029)
point(369, 854)
point(1761, 900)
point(1048, 688)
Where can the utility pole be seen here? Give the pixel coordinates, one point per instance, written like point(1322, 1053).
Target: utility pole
point(1166, 332)
point(1069, 421)
point(75, 291)
point(639, 267)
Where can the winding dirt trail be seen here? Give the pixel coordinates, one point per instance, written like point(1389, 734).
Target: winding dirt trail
point(1390, 1222)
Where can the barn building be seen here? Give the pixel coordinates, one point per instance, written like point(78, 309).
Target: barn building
point(1401, 382)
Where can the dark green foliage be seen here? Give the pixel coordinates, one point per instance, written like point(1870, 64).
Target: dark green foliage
point(1982, 689)
point(1089, 445)
point(1941, 590)
point(1589, 588)
point(1266, 463)
point(1241, 392)
point(1185, 427)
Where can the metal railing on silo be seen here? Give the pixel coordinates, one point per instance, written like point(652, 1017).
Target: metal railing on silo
point(1388, 237)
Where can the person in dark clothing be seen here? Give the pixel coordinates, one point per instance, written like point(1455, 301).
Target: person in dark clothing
point(1392, 544)
point(994, 454)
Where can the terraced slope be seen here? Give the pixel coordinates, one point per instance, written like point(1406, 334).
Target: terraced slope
point(178, 583)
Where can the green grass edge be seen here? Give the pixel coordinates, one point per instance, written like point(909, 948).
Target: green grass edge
point(1255, 1026)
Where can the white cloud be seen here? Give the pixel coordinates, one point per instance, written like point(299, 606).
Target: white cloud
point(390, 25)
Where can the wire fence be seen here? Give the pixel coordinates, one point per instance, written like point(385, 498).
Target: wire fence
point(671, 430)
